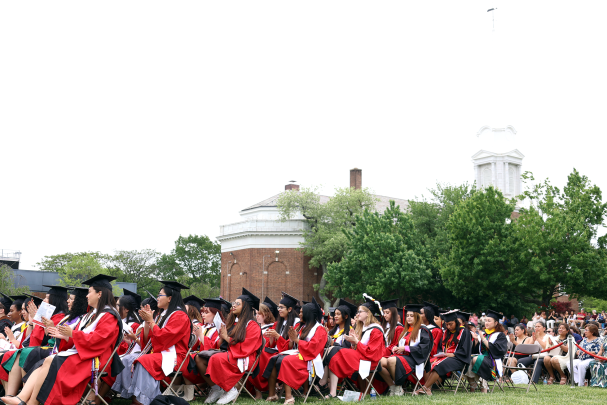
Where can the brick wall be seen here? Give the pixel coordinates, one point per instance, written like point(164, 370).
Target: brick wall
point(291, 273)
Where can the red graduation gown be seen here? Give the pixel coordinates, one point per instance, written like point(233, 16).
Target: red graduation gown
point(223, 367)
point(75, 372)
point(175, 332)
point(259, 382)
point(293, 370)
point(437, 336)
point(394, 343)
point(38, 332)
point(346, 362)
point(208, 343)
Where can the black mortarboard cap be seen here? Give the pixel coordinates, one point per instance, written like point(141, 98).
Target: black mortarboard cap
point(351, 307)
point(225, 304)
point(271, 306)
point(136, 296)
point(413, 308)
point(152, 296)
point(174, 285)
point(464, 316)
point(100, 280)
point(57, 290)
point(19, 298)
point(373, 305)
point(450, 316)
point(389, 303)
point(494, 314)
point(433, 306)
point(195, 302)
point(288, 300)
point(6, 300)
point(37, 300)
point(317, 309)
point(80, 291)
point(249, 297)
point(332, 311)
point(216, 303)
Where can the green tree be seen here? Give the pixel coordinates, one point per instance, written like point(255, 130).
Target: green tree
point(137, 266)
point(384, 258)
point(559, 243)
point(58, 262)
point(430, 217)
point(8, 282)
point(482, 268)
point(84, 267)
point(326, 220)
point(195, 259)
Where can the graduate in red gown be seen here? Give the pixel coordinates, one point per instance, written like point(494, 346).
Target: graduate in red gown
point(410, 354)
point(243, 337)
point(62, 378)
point(266, 318)
point(368, 345)
point(165, 341)
point(294, 369)
point(392, 328)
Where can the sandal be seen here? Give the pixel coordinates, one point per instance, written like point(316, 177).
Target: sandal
point(550, 380)
point(326, 397)
point(563, 381)
point(272, 398)
point(20, 401)
point(289, 401)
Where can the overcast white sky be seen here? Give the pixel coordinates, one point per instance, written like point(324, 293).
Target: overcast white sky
point(126, 124)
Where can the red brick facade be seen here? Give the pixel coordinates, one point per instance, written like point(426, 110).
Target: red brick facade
point(291, 273)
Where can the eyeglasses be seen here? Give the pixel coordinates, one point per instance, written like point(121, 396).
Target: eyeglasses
point(235, 304)
point(282, 307)
point(161, 295)
point(359, 312)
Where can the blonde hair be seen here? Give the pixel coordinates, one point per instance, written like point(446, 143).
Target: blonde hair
point(268, 316)
point(417, 323)
point(360, 325)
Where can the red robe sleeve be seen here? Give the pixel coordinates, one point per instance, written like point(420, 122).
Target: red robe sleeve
point(94, 344)
point(210, 342)
point(38, 332)
point(250, 344)
point(394, 343)
point(171, 333)
point(437, 336)
point(309, 350)
point(373, 350)
point(282, 344)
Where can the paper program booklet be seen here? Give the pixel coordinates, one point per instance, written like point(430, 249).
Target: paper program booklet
point(45, 310)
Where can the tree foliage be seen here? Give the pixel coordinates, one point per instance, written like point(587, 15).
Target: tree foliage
point(385, 258)
point(82, 268)
point(326, 220)
point(8, 280)
point(137, 266)
point(58, 262)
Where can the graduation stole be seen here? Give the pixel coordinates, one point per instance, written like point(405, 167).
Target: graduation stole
point(339, 333)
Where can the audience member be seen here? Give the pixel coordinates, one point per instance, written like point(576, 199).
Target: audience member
point(591, 344)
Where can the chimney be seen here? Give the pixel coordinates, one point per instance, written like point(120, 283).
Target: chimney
point(356, 178)
point(292, 186)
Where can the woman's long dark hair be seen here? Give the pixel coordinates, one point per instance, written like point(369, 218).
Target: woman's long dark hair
point(129, 304)
point(60, 303)
point(448, 334)
point(347, 324)
point(290, 321)
point(107, 299)
point(309, 318)
point(239, 333)
point(80, 307)
point(176, 304)
point(393, 322)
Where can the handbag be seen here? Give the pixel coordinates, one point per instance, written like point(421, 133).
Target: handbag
point(169, 400)
point(206, 354)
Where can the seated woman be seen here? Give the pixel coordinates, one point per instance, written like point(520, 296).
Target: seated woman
point(243, 337)
point(367, 348)
point(57, 296)
point(414, 346)
point(559, 361)
point(193, 306)
point(520, 337)
point(266, 318)
point(165, 343)
point(541, 338)
point(457, 349)
point(488, 349)
point(343, 315)
point(63, 378)
point(591, 343)
point(208, 339)
point(392, 330)
point(598, 368)
point(294, 369)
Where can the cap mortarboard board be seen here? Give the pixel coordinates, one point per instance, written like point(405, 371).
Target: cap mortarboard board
point(433, 306)
point(6, 300)
point(100, 280)
point(37, 300)
point(136, 296)
point(195, 302)
point(225, 304)
point(249, 297)
point(216, 303)
point(57, 290)
point(332, 311)
point(464, 316)
point(389, 303)
point(288, 300)
point(271, 306)
point(450, 316)
point(373, 305)
point(20, 297)
point(80, 291)
point(413, 308)
point(494, 314)
point(351, 307)
point(151, 295)
point(305, 302)
point(174, 285)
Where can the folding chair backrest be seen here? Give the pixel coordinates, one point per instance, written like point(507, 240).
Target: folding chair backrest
point(193, 340)
point(528, 348)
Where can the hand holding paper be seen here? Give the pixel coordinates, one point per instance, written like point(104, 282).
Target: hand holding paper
point(46, 310)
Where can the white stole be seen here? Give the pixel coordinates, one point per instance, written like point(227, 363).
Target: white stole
point(169, 356)
point(419, 369)
point(243, 364)
point(316, 363)
point(364, 367)
point(498, 362)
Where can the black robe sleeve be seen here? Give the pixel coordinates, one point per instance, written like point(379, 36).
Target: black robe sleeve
point(500, 347)
point(421, 351)
point(464, 348)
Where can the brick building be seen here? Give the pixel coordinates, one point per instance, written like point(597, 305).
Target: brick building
point(260, 252)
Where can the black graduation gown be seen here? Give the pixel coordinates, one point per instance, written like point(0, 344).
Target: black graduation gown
point(485, 365)
point(462, 351)
point(417, 355)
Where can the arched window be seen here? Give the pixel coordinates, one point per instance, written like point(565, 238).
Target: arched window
point(511, 179)
point(487, 181)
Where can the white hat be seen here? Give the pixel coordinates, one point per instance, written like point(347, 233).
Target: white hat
point(483, 314)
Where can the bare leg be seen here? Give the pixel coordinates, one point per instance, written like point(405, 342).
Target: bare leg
point(333, 384)
point(325, 377)
point(385, 373)
point(27, 390)
point(272, 383)
point(288, 392)
point(201, 365)
point(39, 381)
point(548, 365)
point(14, 378)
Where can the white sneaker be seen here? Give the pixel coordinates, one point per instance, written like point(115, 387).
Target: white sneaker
point(215, 393)
point(228, 396)
point(399, 391)
point(392, 388)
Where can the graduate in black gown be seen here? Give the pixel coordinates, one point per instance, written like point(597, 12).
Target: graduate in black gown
point(488, 349)
point(457, 348)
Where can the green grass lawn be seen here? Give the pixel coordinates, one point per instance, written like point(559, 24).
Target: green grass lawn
point(548, 395)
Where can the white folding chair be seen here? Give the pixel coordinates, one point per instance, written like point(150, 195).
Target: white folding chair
point(529, 349)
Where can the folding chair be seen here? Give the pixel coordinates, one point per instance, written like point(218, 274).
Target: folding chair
point(174, 374)
point(369, 380)
point(418, 382)
point(314, 380)
point(455, 376)
point(529, 349)
point(102, 373)
point(247, 374)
